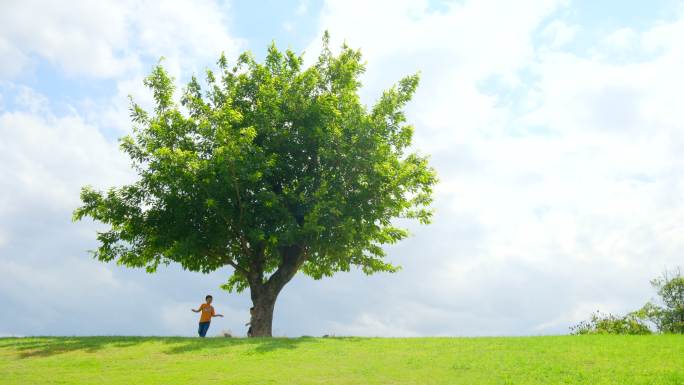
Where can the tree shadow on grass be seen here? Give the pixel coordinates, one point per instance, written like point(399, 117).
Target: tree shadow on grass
point(258, 345)
point(50, 346)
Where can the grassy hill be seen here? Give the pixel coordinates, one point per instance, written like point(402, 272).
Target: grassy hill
point(508, 360)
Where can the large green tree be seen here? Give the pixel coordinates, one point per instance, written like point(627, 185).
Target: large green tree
point(272, 168)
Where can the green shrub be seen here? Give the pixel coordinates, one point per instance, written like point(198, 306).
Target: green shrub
point(667, 315)
point(600, 323)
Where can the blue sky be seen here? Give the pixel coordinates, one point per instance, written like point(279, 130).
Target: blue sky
point(555, 127)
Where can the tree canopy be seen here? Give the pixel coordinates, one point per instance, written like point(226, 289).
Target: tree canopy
point(270, 168)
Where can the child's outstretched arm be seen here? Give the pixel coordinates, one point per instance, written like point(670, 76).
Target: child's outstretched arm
point(196, 311)
point(213, 313)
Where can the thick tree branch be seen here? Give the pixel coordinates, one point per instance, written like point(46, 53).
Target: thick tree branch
point(292, 259)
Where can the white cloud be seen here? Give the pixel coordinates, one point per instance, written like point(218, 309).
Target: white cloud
point(46, 159)
point(24, 278)
point(302, 7)
point(194, 33)
point(620, 38)
point(81, 38)
point(111, 38)
point(371, 325)
point(559, 33)
point(572, 184)
point(467, 33)
point(28, 99)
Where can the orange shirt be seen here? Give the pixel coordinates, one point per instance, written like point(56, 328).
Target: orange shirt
point(207, 311)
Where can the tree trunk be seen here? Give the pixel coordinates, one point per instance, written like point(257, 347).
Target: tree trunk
point(264, 294)
point(262, 316)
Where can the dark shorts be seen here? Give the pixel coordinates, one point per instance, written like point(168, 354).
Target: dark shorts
point(203, 327)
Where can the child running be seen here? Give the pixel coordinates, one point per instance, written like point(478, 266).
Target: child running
point(205, 318)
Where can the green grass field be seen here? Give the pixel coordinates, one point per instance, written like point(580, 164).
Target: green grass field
point(592, 360)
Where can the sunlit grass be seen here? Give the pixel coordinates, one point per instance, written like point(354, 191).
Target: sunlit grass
point(657, 359)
